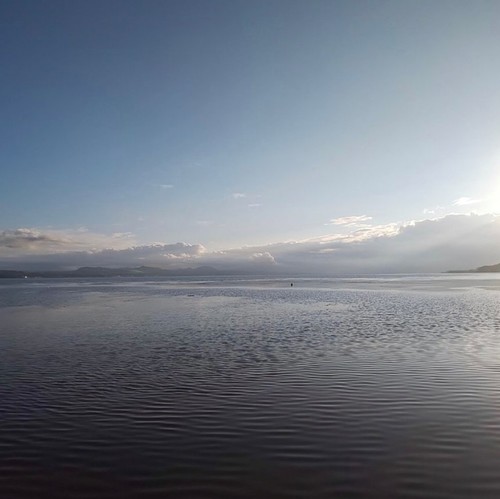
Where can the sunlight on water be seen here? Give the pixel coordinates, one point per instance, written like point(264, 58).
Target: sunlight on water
point(332, 388)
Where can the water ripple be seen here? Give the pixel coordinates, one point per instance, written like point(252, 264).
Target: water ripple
point(144, 391)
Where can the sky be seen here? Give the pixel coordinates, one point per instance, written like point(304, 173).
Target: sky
point(268, 136)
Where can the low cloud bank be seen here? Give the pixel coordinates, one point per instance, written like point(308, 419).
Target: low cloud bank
point(450, 242)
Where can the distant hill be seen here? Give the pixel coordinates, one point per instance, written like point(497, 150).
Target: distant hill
point(483, 269)
point(489, 268)
point(115, 272)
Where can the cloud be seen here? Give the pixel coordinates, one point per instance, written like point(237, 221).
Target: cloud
point(434, 210)
point(238, 195)
point(451, 242)
point(27, 239)
point(254, 205)
point(350, 221)
point(459, 241)
point(166, 186)
point(161, 255)
point(464, 201)
point(32, 240)
point(264, 257)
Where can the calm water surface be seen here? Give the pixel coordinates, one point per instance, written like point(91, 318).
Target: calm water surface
point(335, 388)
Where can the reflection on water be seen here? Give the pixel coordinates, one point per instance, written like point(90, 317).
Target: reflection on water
point(134, 388)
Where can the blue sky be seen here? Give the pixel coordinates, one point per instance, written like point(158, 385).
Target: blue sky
point(239, 126)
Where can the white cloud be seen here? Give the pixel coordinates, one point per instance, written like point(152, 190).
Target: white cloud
point(238, 195)
point(464, 201)
point(434, 210)
point(254, 205)
point(350, 221)
point(263, 257)
point(166, 186)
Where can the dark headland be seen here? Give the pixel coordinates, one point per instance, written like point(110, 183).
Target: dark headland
point(483, 269)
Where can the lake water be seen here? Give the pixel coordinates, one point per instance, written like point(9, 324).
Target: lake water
point(359, 387)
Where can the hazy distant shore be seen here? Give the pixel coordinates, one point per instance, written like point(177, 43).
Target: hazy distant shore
point(144, 271)
point(116, 272)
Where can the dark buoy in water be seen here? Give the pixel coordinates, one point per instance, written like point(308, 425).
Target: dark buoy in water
point(291, 284)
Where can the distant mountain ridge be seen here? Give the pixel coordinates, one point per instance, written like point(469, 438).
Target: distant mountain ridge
point(116, 272)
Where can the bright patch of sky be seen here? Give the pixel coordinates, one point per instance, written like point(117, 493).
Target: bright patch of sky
point(230, 124)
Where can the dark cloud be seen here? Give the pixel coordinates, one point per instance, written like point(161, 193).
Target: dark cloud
point(25, 238)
